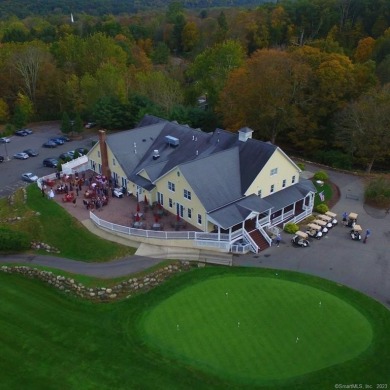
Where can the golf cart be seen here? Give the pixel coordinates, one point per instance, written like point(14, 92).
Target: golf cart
point(326, 219)
point(321, 223)
point(333, 216)
point(355, 233)
point(352, 220)
point(314, 231)
point(300, 239)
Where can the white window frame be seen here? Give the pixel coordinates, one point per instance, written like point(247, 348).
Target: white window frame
point(274, 171)
point(293, 179)
point(189, 213)
point(199, 219)
point(259, 193)
point(171, 186)
point(272, 190)
point(284, 183)
point(170, 202)
point(187, 194)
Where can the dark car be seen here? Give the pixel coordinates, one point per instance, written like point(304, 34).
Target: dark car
point(57, 140)
point(64, 138)
point(21, 133)
point(50, 162)
point(31, 152)
point(1, 159)
point(82, 151)
point(49, 144)
point(28, 131)
point(65, 156)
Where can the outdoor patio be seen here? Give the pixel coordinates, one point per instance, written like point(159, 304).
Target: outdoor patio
point(125, 211)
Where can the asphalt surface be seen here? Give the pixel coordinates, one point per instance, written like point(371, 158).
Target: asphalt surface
point(364, 267)
point(12, 169)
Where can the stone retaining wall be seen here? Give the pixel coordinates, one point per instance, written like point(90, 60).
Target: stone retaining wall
point(124, 289)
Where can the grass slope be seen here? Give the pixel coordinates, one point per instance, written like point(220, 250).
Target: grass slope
point(59, 229)
point(52, 341)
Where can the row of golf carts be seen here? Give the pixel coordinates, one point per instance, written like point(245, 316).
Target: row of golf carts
point(320, 226)
point(316, 229)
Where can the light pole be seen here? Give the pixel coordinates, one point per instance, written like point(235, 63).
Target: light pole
point(6, 152)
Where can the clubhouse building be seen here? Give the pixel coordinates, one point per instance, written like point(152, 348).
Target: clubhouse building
point(233, 188)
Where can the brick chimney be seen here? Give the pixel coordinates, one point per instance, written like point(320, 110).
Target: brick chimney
point(104, 154)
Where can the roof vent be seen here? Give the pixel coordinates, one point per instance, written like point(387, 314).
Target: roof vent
point(244, 134)
point(171, 141)
point(156, 155)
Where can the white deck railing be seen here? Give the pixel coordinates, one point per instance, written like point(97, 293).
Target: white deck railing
point(204, 237)
point(299, 217)
point(251, 241)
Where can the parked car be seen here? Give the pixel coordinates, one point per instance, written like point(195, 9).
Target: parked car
point(65, 156)
point(49, 144)
point(28, 131)
point(64, 138)
point(31, 152)
point(21, 133)
point(21, 156)
point(50, 162)
point(82, 151)
point(57, 140)
point(90, 125)
point(4, 140)
point(30, 177)
point(1, 159)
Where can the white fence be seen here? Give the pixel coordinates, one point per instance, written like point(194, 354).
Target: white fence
point(201, 238)
point(299, 217)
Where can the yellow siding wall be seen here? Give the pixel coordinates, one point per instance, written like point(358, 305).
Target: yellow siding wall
point(181, 184)
point(286, 171)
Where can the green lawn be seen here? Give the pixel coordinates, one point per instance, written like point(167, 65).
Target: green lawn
point(56, 227)
point(249, 327)
point(327, 189)
point(52, 341)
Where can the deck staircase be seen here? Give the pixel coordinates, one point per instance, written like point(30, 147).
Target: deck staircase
point(258, 238)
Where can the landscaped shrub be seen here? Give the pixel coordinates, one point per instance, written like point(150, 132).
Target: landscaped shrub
point(13, 241)
point(334, 158)
point(301, 166)
point(321, 175)
point(377, 192)
point(322, 208)
point(291, 228)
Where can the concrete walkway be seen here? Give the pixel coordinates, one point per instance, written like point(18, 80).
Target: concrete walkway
point(364, 267)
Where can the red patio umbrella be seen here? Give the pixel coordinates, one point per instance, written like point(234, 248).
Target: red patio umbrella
point(138, 208)
point(137, 217)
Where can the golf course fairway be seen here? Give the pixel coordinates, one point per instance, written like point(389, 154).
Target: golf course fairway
point(256, 328)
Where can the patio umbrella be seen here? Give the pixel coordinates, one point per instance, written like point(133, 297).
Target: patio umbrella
point(138, 208)
point(137, 217)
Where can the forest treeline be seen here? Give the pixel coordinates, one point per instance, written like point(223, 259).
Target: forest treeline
point(24, 8)
point(309, 75)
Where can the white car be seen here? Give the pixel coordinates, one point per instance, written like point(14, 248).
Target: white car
point(30, 177)
point(4, 140)
point(21, 156)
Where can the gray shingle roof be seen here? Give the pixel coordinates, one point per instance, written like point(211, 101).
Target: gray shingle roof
point(290, 194)
point(237, 212)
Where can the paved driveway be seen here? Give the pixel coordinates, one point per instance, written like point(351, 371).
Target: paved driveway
point(364, 267)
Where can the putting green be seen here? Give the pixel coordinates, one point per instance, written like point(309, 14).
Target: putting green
point(256, 329)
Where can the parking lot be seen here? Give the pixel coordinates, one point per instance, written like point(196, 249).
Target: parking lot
point(11, 169)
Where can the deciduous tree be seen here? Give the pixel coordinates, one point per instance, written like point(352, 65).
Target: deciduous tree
point(363, 127)
point(266, 94)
